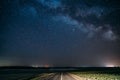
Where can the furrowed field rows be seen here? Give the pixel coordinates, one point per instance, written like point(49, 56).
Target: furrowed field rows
point(19, 76)
point(22, 76)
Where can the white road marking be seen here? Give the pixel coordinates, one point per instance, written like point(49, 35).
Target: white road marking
point(61, 77)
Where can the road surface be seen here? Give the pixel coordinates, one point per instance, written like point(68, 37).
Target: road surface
point(60, 76)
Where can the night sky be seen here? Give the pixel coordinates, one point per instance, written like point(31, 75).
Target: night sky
point(60, 32)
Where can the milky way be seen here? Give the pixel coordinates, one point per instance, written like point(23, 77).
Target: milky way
point(59, 32)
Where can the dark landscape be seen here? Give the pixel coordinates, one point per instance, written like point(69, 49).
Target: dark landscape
point(59, 73)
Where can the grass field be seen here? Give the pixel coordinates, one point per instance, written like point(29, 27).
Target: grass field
point(98, 76)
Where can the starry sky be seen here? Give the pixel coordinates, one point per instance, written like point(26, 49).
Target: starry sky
point(60, 32)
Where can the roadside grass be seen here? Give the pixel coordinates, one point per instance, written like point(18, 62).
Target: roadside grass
point(98, 76)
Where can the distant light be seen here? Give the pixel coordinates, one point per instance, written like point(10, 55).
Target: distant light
point(109, 65)
point(46, 66)
point(35, 66)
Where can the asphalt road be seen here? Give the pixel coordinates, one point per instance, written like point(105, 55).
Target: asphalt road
point(63, 76)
